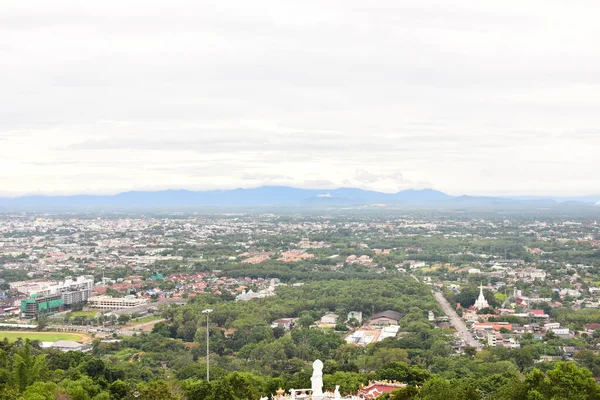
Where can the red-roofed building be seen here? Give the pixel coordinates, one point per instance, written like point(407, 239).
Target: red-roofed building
point(538, 314)
point(487, 326)
point(592, 327)
point(376, 389)
point(256, 260)
point(99, 290)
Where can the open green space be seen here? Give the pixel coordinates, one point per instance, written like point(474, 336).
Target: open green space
point(88, 314)
point(41, 336)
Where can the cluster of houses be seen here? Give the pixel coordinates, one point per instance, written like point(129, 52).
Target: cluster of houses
point(504, 334)
point(255, 257)
point(305, 243)
point(380, 326)
point(50, 244)
point(363, 260)
point(267, 291)
point(295, 255)
point(132, 293)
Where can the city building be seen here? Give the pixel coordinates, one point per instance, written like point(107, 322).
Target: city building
point(49, 297)
point(357, 315)
point(66, 346)
point(329, 319)
point(389, 331)
point(285, 323)
point(71, 290)
point(115, 303)
point(36, 305)
point(385, 318)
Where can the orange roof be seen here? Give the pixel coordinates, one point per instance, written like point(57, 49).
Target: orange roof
point(496, 327)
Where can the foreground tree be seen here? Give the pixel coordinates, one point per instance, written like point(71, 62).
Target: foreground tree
point(565, 381)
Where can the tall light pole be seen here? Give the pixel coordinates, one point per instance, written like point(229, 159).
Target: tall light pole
point(207, 312)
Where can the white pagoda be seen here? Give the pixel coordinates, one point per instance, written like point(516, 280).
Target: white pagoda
point(481, 302)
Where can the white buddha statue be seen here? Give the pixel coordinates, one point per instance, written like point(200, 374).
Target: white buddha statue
point(317, 380)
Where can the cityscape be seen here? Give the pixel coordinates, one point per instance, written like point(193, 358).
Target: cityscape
point(517, 291)
point(299, 200)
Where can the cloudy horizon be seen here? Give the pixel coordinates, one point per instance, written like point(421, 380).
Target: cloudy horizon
point(479, 98)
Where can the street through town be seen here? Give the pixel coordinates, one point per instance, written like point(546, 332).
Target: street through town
point(463, 333)
point(461, 329)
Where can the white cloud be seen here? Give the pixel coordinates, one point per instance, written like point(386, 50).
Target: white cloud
point(467, 97)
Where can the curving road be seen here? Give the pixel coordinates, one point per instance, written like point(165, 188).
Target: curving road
point(462, 332)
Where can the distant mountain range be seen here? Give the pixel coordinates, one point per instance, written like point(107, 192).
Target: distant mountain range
point(288, 196)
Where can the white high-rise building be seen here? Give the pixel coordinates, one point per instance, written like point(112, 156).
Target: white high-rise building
point(71, 290)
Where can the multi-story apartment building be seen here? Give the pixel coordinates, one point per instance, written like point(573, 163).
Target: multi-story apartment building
point(36, 305)
point(49, 297)
point(72, 290)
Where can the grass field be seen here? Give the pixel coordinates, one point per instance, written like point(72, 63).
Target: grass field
point(41, 336)
point(89, 314)
point(143, 320)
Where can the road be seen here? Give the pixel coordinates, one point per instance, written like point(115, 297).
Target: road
point(146, 327)
point(461, 329)
point(124, 330)
point(463, 333)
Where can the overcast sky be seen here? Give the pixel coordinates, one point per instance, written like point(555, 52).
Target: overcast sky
point(468, 96)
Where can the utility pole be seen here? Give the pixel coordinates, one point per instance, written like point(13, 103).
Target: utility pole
point(207, 312)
